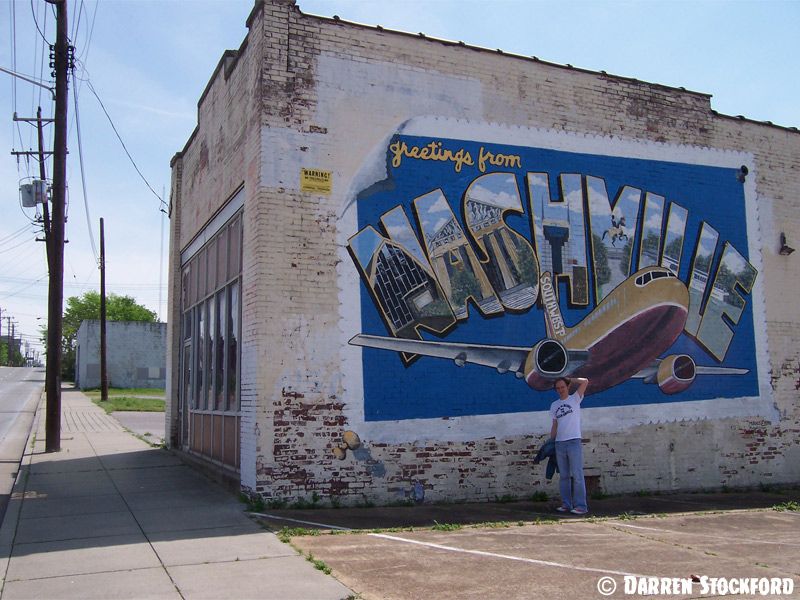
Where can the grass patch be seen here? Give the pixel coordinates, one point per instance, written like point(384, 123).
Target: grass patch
point(287, 533)
point(791, 505)
point(129, 399)
point(129, 404)
point(153, 392)
point(539, 497)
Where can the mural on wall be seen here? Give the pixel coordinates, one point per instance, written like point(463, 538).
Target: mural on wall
point(544, 263)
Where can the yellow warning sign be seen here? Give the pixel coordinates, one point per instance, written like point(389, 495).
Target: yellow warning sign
point(315, 181)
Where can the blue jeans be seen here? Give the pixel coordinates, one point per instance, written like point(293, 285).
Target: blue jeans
point(569, 455)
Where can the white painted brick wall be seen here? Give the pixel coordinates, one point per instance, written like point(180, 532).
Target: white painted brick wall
point(331, 92)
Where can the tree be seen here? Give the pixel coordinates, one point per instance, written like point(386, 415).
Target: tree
point(602, 270)
point(87, 307)
point(464, 284)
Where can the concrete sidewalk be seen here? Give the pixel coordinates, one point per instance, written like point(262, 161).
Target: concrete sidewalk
point(111, 517)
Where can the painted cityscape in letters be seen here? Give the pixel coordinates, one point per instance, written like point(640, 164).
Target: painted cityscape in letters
point(488, 270)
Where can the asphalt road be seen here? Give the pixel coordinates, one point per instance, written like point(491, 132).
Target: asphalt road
point(20, 390)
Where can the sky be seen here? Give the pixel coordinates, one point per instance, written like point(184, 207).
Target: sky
point(148, 61)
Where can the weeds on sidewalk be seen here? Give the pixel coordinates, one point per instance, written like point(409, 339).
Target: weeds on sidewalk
point(445, 526)
point(791, 505)
point(287, 533)
point(319, 565)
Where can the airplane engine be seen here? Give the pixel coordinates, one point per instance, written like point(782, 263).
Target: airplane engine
point(676, 373)
point(550, 358)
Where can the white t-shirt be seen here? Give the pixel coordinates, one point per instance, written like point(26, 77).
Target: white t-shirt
point(568, 414)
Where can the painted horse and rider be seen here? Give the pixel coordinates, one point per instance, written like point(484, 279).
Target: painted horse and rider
point(617, 230)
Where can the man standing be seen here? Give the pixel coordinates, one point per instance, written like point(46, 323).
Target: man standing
point(566, 431)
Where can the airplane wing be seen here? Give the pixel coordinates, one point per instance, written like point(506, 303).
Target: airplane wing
point(502, 358)
point(649, 372)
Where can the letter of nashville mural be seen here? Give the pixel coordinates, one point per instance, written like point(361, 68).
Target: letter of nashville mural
point(639, 315)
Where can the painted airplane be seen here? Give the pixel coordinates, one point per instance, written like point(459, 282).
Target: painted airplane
point(620, 339)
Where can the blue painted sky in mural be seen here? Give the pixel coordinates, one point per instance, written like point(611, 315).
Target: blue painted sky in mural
point(434, 387)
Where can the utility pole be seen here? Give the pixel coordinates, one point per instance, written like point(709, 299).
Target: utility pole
point(11, 344)
point(43, 175)
point(9, 340)
point(103, 347)
point(56, 291)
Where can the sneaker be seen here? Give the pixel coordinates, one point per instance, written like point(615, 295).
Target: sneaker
point(579, 511)
point(563, 509)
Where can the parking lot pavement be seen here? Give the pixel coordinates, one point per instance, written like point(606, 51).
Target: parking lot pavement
point(563, 558)
point(522, 550)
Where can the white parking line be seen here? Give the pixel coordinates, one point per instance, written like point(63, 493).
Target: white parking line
point(546, 563)
point(705, 535)
point(324, 525)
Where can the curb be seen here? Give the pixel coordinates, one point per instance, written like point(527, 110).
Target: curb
point(8, 529)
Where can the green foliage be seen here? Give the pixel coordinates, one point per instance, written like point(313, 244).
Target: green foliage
point(539, 497)
point(128, 403)
point(287, 533)
point(318, 564)
point(625, 264)
point(87, 307)
point(464, 285)
point(445, 526)
point(702, 262)
point(505, 499)
point(529, 269)
point(603, 271)
point(791, 505)
point(650, 244)
point(17, 360)
point(674, 247)
point(254, 502)
point(302, 503)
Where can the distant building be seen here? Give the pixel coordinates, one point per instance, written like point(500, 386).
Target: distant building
point(136, 354)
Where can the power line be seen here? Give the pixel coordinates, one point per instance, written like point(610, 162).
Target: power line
point(36, 22)
point(13, 235)
point(22, 289)
point(83, 172)
point(91, 88)
point(16, 246)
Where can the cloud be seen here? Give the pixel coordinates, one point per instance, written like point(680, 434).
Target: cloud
point(654, 222)
point(437, 206)
point(598, 197)
point(734, 261)
point(538, 182)
point(677, 220)
point(501, 199)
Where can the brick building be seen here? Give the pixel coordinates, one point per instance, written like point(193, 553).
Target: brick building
point(385, 246)
point(135, 354)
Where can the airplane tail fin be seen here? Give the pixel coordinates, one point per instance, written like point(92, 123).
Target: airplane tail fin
point(554, 322)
